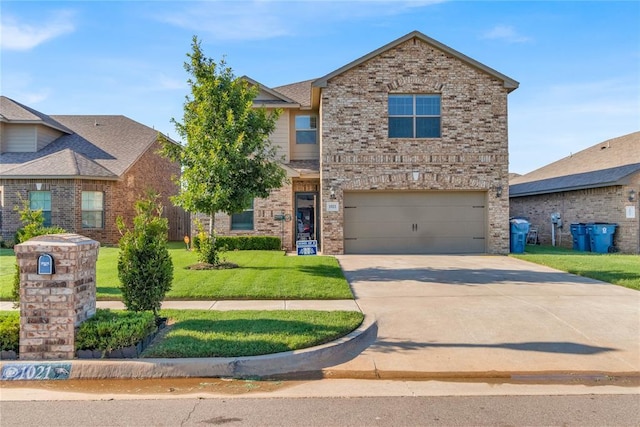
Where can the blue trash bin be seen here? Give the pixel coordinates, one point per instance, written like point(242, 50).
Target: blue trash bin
point(601, 236)
point(518, 235)
point(580, 237)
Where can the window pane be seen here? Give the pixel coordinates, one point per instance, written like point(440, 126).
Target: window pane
point(427, 105)
point(306, 122)
point(92, 219)
point(305, 137)
point(400, 127)
point(40, 200)
point(92, 200)
point(242, 221)
point(428, 127)
point(400, 105)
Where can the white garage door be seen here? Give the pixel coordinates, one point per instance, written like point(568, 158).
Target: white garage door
point(403, 222)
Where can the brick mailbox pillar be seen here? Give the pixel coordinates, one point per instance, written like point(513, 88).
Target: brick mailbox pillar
point(57, 293)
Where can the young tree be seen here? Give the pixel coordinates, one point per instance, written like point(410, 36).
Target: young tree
point(227, 159)
point(145, 268)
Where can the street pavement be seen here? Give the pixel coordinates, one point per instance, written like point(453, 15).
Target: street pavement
point(439, 317)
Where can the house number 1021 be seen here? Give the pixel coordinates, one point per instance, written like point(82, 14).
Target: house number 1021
point(40, 371)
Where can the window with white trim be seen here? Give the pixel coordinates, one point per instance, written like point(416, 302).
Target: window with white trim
point(92, 209)
point(306, 129)
point(41, 200)
point(243, 220)
point(414, 116)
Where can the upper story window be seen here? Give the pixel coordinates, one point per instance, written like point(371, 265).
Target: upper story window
point(243, 220)
point(41, 200)
point(414, 116)
point(306, 129)
point(92, 209)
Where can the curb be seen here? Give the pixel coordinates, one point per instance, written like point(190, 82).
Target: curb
point(308, 362)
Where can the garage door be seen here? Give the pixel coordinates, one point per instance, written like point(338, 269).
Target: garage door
point(414, 222)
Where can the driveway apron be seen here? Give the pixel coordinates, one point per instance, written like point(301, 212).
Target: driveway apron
point(450, 316)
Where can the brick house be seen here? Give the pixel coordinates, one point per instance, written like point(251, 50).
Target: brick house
point(598, 184)
point(82, 171)
point(403, 150)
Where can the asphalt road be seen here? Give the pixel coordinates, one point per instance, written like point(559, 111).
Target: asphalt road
point(582, 410)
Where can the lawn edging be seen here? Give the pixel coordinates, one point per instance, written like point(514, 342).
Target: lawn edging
point(308, 361)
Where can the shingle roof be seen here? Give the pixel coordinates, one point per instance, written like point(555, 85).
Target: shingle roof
point(603, 164)
point(14, 112)
point(299, 92)
point(98, 146)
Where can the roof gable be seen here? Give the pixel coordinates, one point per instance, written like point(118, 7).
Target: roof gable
point(509, 83)
point(270, 97)
point(13, 112)
point(61, 163)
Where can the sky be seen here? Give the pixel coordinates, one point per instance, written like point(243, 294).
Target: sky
point(578, 62)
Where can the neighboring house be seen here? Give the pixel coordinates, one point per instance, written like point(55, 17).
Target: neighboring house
point(403, 150)
point(82, 171)
point(599, 184)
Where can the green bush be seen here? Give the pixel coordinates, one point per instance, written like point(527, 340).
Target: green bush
point(249, 243)
point(32, 226)
point(10, 331)
point(110, 330)
point(145, 268)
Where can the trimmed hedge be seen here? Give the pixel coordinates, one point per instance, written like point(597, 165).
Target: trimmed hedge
point(244, 243)
point(10, 331)
point(109, 330)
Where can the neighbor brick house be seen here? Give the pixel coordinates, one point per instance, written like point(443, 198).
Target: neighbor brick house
point(598, 184)
point(403, 150)
point(82, 171)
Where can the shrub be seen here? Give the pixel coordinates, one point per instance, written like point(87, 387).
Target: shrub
point(248, 243)
point(32, 226)
point(110, 330)
point(145, 268)
point(10, 331)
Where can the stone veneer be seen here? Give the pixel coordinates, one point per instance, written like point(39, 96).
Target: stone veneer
point(471, 154)
point(52, 306)
point(606, 204)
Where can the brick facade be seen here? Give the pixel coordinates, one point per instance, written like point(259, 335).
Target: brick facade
point(151, 171)
point(472, 154)
point(606, 204)
point(53, 305)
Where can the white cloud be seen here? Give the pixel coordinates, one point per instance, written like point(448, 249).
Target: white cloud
point(15, 35)
point(506, 33)
point(266, 19)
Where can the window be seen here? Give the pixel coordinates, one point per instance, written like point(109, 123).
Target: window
point(41, 200)
point(306, 129)
point(92, 209)
point(414, 116)
point(243, 220)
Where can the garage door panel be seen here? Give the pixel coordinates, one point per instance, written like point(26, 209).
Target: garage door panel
point(414, 222)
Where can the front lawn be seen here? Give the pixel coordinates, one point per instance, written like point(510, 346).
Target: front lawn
point(200, 333)
point(262, 275)
point(623, 270)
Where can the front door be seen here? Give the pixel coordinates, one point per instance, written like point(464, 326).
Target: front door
point(306, 220)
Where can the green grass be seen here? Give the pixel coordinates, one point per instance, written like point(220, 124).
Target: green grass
point(619, 269)
point(262, 275)
point(200, 333)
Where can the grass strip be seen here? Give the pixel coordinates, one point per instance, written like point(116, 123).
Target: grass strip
point(619, 269)
point(210, 333)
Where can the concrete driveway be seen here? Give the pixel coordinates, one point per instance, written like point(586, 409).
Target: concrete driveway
point(489, 316)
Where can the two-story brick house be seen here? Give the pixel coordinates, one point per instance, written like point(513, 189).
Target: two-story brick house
point(403, 150)
point(82, 171)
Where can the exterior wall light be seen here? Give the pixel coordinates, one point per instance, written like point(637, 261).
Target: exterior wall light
point(332, 193)
point(415, 175)
point(499, 191)
point(632, 195)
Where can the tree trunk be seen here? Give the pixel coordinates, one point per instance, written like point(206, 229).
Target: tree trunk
point(212, 218)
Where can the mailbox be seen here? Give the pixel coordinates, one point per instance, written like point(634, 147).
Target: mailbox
point(45, 264)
